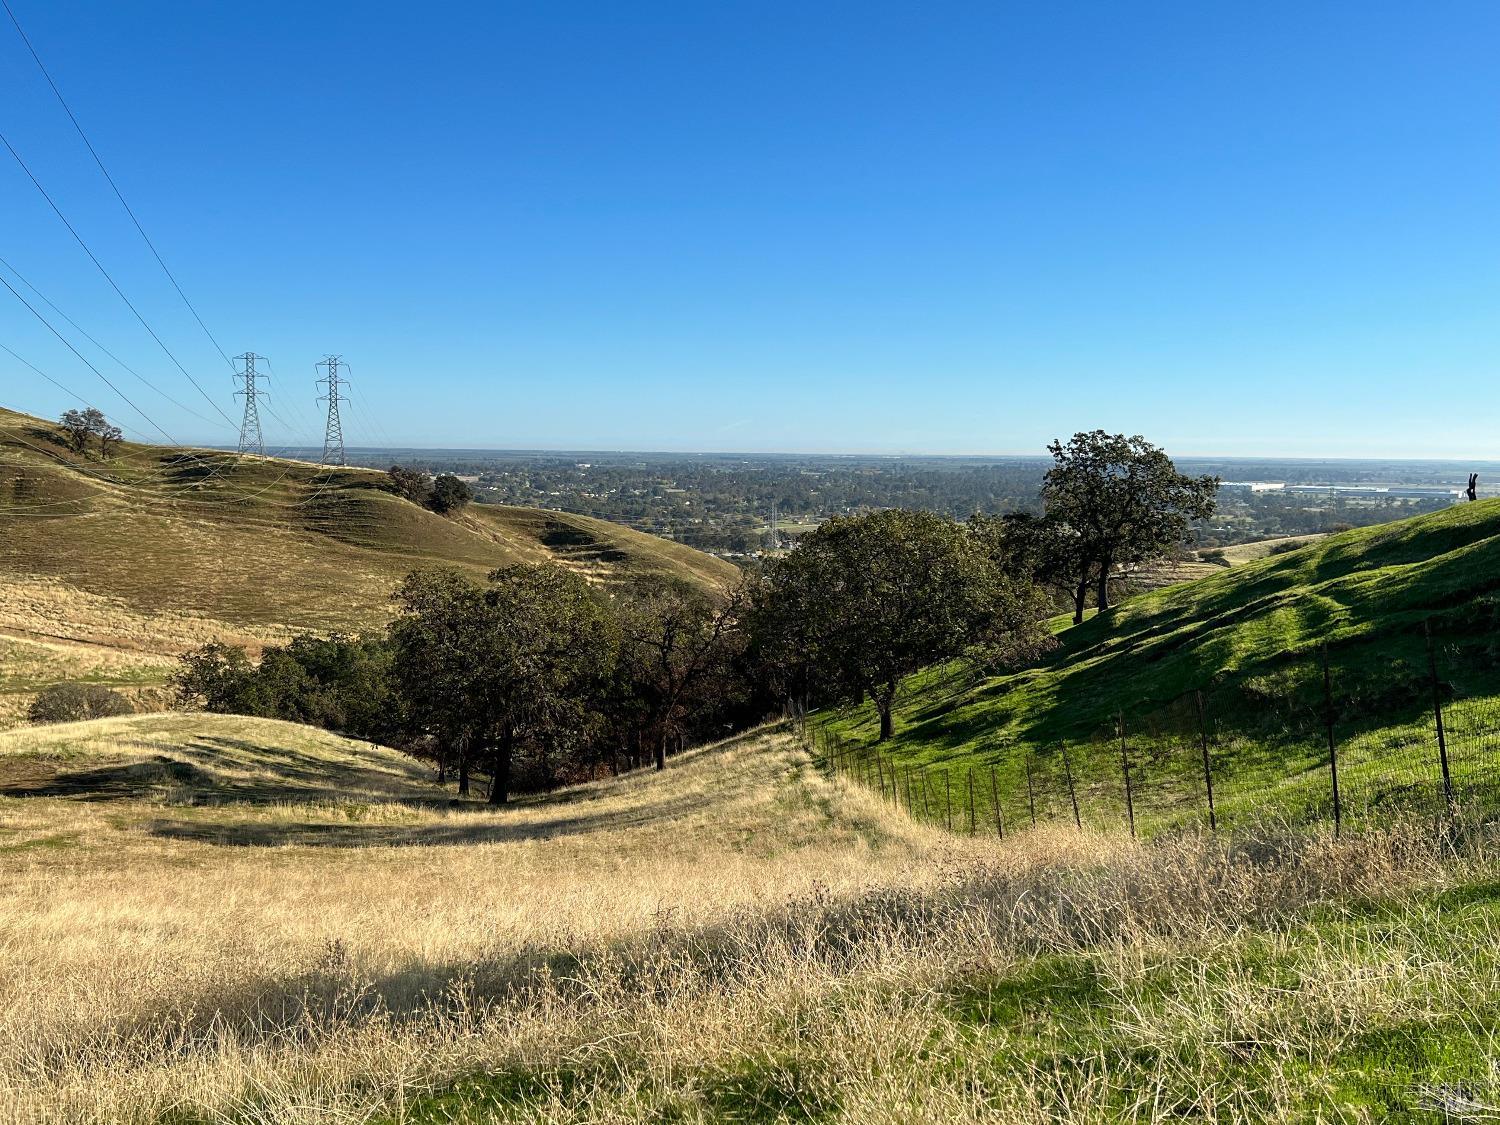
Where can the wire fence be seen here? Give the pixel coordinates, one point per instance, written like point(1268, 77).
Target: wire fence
point(1323, 737)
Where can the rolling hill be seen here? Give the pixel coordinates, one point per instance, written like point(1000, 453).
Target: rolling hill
point(109, 568)
point(1250, 638)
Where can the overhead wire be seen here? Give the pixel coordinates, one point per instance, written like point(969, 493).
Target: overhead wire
point(140, 229)
point(156, 254)
point(108, 276)
point(88, 144)
point(214, 471)
point(105, 378)
point(84, 333)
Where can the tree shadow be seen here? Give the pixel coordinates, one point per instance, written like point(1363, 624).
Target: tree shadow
point(494, 829)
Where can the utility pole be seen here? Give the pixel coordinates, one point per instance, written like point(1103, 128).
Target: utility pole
point(333, 436)
point(250, 437)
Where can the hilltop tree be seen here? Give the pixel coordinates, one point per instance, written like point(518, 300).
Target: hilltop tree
point(79, 426)
point(1115, 501)
point(865, 601)
point(449, 494)
point(411, 484)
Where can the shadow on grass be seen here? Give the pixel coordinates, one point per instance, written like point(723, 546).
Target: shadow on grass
point(496, 829)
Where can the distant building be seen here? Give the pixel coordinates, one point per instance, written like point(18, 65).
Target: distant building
point(1400, 491)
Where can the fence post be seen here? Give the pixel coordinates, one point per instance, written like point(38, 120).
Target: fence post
point(911, 809)
point(1030, 790)
point(1208, 774)
point(995, 796)
point(1125, 769)
point(926, 810)
point(1437, 712)
point(1072, 793)
point(947, 801)
point(1333, 748)
point(971, 801)
point(880, 772)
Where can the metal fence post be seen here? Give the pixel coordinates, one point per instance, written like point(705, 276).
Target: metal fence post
point(971, 801)
point(995, 796)
point(1333, 749)
point(1208, 773)
point(1030, 790)
point(1072, 792)
point(1125, 769)
point(1437, 712)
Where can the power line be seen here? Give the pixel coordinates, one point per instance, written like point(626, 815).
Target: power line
point(110, 179)
point(68, 344)
point(107, 277)
point(84, 333)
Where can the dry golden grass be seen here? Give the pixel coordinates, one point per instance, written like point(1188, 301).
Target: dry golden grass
point(52, 632)
point(159, 549)
point(216, 919)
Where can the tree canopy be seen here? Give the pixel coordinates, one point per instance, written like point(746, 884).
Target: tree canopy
point(865, 601)
point(1111, 501)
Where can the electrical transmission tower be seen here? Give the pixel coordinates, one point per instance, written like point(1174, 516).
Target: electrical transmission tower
point(250, 437)
point(333, 436)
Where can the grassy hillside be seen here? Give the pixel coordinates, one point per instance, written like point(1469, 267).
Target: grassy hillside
point(210, 919)
point(107, 568)
point(1249, 638)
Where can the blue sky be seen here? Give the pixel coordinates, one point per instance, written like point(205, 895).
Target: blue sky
point(1261, 228)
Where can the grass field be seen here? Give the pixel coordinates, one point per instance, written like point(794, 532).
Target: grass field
point(214, 919)
point(127, 562)
point(1250, 638)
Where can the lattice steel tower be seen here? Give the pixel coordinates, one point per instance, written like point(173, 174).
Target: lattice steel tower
point(250, 437)
point(333, 436)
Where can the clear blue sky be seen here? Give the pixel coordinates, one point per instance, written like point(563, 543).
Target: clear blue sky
point(1263, 228)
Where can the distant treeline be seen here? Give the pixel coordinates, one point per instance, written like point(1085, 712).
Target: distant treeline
point(723, 504)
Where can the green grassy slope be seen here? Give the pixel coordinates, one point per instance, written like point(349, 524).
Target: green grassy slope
point(1249, 638)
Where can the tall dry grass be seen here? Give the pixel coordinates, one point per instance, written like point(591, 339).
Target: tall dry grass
point(739, 938)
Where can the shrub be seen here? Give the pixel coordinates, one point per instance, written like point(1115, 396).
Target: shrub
point(67, 703)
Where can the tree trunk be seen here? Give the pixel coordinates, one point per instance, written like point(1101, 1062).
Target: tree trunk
point(463, 774)
point(1080, 598)
point(500, 772)
point(1103, 596)
point(884, 702)
point(661, 752)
